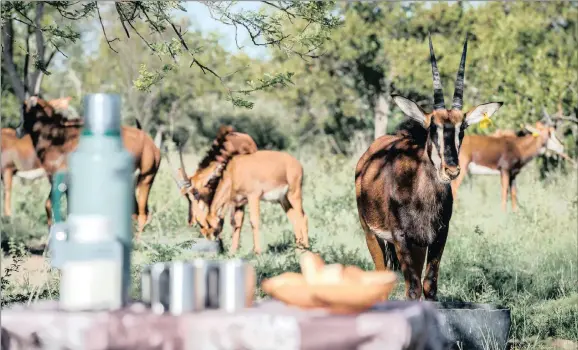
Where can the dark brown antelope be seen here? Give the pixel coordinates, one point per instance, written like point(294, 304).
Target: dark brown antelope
point(402, 184)
point(54, 137)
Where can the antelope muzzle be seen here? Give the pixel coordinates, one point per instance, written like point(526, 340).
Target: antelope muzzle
point(452, 171)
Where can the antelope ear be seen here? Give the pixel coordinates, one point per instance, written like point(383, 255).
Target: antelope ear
point(486, 110)
point(60, 103)
point(412, 110)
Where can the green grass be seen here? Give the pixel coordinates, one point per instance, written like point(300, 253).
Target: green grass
point(526, 261)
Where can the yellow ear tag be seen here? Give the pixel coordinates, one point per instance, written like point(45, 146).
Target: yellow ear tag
point(535, 134)
point(485, 122)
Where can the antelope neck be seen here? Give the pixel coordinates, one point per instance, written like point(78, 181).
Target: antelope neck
point(529, 147)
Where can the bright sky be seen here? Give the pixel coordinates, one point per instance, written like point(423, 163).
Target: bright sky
point(201, 19)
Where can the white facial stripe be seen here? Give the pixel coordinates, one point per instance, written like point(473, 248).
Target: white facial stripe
point(436, 153)
point(440, 131)
point(457, 135)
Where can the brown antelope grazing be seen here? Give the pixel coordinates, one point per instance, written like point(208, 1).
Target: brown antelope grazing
point(506, 155)
point(270, 176)
point(402, 184)
point(228, 176)
point(54, 137)
point(200, 188)
point(18, 159)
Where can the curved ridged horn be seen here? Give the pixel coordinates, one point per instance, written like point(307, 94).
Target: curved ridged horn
point(179, 174)
point(437, 83)
point(458, 101)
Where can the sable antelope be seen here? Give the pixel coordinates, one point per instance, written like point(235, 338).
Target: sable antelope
point(402, 184)
point(270, 176)
point(506, 155)
point(200, 188)
point(18, 159)
point(249, 176)
point(54, 137)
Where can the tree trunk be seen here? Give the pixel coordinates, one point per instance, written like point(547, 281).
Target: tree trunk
point(381, 111)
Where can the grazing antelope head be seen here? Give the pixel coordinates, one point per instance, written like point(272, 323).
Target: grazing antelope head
point(200, 188)
point(445, 127)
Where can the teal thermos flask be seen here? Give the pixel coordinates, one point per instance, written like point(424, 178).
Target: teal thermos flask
point(92, 248)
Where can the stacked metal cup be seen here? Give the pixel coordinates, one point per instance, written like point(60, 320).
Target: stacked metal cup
point(197, 285)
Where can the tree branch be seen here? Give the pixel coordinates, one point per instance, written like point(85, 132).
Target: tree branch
point(8, 54)
point(51, 56)
point(565, 118)
point(40, 47)
point(26, 64)
point(104, 31)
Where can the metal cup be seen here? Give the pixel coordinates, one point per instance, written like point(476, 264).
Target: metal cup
point(206, 284)
point(232, 285)
point(145, 285)
point(180, 287)
point(160, 287)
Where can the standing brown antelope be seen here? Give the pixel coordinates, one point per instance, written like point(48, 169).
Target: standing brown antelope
point(402, 184)
point(54, 137)
point(506, 156)
point(18, 159)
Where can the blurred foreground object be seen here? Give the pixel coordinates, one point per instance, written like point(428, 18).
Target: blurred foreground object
point(336, 288)
point(267, 325)
point(392, 325)
point(190, 286)
point(93, 247)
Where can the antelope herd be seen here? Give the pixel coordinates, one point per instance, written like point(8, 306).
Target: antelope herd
point(406, 183)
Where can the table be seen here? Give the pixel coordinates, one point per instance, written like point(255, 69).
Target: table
point(268, 325)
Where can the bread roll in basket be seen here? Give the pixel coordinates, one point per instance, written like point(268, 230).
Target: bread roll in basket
point(335, 288)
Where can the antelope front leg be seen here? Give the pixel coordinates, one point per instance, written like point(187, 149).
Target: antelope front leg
point(434, 256)
point(237, 223)
point(7, 180)
point(513, 194)
point(411, 258)
point(190, 211)
point(505, 184)
point(48, 207)
point(254, 218)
